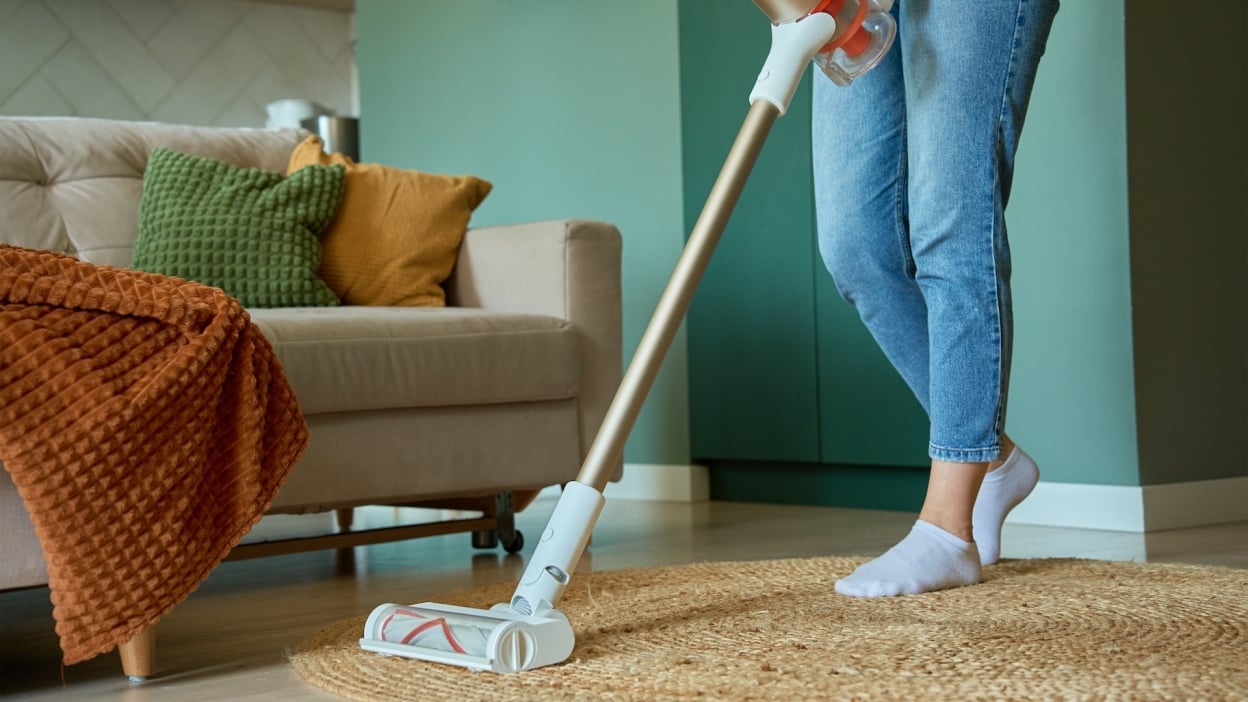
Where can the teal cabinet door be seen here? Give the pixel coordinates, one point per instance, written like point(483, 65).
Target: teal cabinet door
point(780, 368)
point(752, 366)
point(753, 389)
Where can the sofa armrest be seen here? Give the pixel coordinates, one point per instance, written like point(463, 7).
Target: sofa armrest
point(562, 268)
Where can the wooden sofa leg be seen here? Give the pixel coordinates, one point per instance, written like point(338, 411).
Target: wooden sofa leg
point(346, 516)
point(138, 655)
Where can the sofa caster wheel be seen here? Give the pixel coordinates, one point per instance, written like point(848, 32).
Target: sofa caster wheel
point(516, 544)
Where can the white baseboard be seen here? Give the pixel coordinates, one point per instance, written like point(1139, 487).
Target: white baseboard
point(1179, 505)
point(662, 482)
point(1135, 508)
point(1073, 505)
point(1082, 506)
point(656, 481)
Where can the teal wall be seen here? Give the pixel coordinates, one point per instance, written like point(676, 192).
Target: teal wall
point(1128, 230)
point(571, 108)
point(1130, 235)
point(1072, 401)
point(623, 111)
point(753, 377)
point(790, 399)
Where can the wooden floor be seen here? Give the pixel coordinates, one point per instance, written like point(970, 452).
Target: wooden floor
point(228, 640)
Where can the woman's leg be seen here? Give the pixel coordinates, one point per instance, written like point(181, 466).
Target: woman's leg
point(859, 147)
point(968, 70)
point(860, 169)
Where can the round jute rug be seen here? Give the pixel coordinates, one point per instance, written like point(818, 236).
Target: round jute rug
point(776, 630)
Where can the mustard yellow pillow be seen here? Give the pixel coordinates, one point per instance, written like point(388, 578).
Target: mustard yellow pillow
point(397, 233)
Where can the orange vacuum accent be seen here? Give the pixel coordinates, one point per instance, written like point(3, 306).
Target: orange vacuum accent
point(853, 40)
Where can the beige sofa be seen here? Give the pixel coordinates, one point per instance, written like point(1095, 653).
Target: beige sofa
point(497, 394)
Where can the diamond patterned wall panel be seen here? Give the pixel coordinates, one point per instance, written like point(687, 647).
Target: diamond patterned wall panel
point(212, 62)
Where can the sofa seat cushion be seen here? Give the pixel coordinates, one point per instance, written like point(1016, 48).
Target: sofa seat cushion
point(350, 358)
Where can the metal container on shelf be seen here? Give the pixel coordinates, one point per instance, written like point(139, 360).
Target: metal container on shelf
point(340, 134)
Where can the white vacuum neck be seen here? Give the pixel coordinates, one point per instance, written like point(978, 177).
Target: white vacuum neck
point(793, 46)
point(781, 11)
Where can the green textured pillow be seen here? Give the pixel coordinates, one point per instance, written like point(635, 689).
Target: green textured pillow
point(253, 233)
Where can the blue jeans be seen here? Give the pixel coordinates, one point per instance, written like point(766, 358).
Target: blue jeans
point(912, 171)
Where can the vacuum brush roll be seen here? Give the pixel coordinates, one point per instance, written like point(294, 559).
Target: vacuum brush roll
point(496, 639)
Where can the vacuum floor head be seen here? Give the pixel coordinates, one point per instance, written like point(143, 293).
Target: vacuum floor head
point(498, 639)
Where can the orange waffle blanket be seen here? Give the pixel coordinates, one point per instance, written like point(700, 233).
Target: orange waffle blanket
point(147, 426)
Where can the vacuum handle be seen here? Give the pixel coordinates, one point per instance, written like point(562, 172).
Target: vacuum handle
point(556, 556)
point(608, 445)
point(792, 47)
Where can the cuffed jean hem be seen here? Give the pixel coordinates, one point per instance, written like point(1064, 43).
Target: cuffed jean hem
point(952, 455)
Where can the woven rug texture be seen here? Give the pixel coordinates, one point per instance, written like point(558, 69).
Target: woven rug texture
point(775, 630)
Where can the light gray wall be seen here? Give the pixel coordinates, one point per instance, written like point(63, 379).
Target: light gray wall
point(207, 62)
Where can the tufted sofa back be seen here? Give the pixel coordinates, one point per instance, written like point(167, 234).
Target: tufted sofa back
point(73, 184)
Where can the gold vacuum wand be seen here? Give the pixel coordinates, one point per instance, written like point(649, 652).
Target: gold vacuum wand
point(529, 632)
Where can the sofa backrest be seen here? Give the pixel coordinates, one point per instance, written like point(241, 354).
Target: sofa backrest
point(73, 184)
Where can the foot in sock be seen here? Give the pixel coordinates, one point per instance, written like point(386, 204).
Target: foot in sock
point(928, 559)
point(1000, 492)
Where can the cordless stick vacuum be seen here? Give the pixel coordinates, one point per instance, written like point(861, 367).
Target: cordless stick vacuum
point(845, 38)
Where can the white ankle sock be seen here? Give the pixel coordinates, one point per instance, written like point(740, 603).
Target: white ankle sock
point(1000, 492)
point(928, 559)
